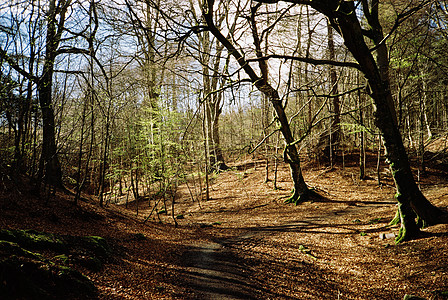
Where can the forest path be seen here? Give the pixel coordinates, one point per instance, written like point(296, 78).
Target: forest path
point(249, 245)
point(214, 272)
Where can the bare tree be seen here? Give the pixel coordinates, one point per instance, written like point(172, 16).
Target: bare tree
point(260, 81)
point(344, 17)
point(58, 42)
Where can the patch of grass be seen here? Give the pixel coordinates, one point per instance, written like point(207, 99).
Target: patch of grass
point(375, 221)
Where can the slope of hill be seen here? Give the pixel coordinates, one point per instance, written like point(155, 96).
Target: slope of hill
point(243, 243)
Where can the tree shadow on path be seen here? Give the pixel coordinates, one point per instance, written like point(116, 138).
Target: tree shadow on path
point(213, 272)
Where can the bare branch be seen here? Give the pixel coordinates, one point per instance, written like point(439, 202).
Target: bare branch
point(307, 60)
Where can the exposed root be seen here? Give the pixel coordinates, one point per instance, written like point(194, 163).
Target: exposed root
point(298, 198)
point(396, 219)
point(407, 234)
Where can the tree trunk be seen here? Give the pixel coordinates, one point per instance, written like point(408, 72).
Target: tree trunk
point(335, 128)
point(362, 150)
point(218, 155)
point(291, 154)
point(408, 195)
point(49, 167)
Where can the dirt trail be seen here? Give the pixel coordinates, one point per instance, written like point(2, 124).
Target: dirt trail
point(252, 246)
point(215, 273)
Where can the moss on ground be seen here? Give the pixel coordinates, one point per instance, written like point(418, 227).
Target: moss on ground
point(27, 274)
point(33, 239)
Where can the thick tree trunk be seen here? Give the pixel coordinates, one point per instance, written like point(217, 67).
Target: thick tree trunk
point(49, 166)
point(408, 195)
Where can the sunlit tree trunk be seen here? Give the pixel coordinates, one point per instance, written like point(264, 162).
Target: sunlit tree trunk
point(335, 128)
point(291, 154)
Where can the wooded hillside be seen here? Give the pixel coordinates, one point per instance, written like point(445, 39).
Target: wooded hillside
point(148, 103)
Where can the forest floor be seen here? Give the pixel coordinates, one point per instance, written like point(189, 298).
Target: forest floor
point(245, 243)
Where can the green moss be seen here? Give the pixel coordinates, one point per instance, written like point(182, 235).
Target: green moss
point(33, 239)
point(9, 248)
point(421, 223)
point(64, 259)
point(297, 198)
point(97, 244)
point(28, 275)
point(29, 278)
point(396, 220)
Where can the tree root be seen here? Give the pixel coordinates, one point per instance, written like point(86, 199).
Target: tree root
point(396, 219)
point(406, 234)
point(298, 198)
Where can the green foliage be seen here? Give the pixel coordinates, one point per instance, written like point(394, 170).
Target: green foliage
point(375, 221)
point(306, 251)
